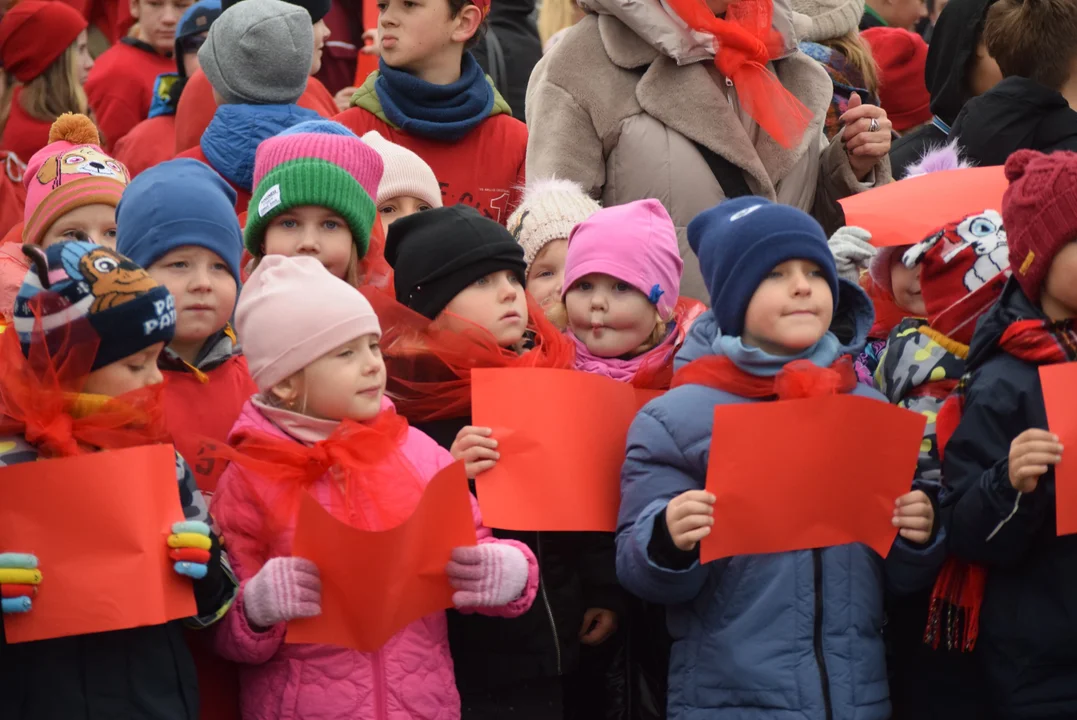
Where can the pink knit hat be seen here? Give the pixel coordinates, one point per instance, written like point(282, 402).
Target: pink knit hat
point(291, 312)
point(635, 243)
point(70, 172)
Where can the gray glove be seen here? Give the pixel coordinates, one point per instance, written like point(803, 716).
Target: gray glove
point(852, 250)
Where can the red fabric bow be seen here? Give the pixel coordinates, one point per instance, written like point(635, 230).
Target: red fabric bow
point(797, 380)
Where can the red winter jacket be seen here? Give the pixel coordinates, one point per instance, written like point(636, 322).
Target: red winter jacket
point(484, 169)
point(23, 135)
point(150, 142)
point(120, 87)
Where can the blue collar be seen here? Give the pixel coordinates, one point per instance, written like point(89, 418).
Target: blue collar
point(937, 122)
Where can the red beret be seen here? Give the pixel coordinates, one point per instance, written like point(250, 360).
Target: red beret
point(24, 50)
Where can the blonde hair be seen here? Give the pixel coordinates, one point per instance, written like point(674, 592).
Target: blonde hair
point(57, 90)
point(555, 16)
point(5, 100)
point(558, 315)
point(853, 47)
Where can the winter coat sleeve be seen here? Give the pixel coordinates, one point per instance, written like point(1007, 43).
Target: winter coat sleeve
point(987, 521)
point(837, 181)
point(568, 145)
point(655, 471)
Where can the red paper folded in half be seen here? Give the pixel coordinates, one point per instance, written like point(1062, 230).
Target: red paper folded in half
point(908, 211)
point(800, 474)
point(1059, 383)
point(561, 435)
point(375, 584)
point(98, 525)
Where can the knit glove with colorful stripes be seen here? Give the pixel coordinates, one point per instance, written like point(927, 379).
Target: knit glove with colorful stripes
point(19, 578)
point(189, 545)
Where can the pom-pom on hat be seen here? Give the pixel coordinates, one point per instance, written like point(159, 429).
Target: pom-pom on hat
point(35, 34)
point(292, 311)
point(1040, 210)
point(549, 210)
point(635, 243)
point(85, 291)
point(70, 172)
point(317, 163)
point(406, 174)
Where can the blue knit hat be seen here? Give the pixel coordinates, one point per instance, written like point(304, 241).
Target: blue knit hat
point(83, 293)
point(323, 127)
point(741, 240)
point(177, 204)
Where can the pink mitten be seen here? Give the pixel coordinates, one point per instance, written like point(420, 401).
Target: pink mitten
point(487, 575)
point(284, 589)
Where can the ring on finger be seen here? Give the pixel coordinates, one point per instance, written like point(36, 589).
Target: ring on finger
point(873, 126)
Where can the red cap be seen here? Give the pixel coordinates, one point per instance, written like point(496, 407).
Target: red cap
point(901, 56)
point(34, 33)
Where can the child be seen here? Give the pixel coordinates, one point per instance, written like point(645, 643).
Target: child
point(314, 190)
point(121, 85)
point(430, 96)
point(89, 325)
point(760, 636)
point(408, 185)
point(998, 496)
point(50, 73)
point(312, 344)
point(462, 275)
point(962, 268)
point(177, 220)
point(255, 56)
point(541, 224)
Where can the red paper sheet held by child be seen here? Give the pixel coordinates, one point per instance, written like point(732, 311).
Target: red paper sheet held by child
point(561, 435)
point(375, 584)
point(800, 474)
point(98, 525)
point(1059, 383)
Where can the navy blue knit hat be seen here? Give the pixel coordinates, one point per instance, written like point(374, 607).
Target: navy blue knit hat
point(176, 204)
point(85, 292)
point(741, 240)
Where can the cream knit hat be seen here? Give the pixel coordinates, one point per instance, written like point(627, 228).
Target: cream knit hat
point(549, 211)
point(818, 20)
point(406, 174)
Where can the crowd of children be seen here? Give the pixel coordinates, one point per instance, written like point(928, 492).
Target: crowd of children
point(297, 304)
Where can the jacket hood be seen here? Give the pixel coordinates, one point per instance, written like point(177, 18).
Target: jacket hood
point(1012, 306)
point(953, 42)
point(848, 335)
point(1015, 114)
point(235, 132)
point(668, 35)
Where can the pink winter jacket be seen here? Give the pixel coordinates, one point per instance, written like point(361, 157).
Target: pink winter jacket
point(410, 678)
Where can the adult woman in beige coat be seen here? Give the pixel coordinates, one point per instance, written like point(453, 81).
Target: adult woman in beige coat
point(631, 104)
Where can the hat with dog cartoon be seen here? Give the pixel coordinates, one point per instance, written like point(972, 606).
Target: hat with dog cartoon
point(70, 172)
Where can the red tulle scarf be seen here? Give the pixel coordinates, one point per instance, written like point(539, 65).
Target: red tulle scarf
point(429, 367)
point(40, 399)
point(797, 380)
point(746, 43)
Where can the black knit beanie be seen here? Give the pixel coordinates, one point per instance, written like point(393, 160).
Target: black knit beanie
point(437, 253)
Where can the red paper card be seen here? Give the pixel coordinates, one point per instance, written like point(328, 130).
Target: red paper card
point(375, 584)
point(561, 435)
point(1059, 383)
point(98, 525)
point(907, 211)
point(800, 474)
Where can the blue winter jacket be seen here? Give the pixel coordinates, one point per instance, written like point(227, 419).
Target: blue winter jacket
point(784, 636)
point(236, 131)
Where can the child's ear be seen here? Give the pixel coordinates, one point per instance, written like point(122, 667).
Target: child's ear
point(287, 390)
point(467, 23)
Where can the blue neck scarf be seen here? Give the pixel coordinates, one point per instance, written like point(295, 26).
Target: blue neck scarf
point(440, 112)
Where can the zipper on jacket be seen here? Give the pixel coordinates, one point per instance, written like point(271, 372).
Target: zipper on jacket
point(820, 659)
point(379, 686)
point(546, 603)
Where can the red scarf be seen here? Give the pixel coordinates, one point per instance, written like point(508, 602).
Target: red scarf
point(954, 613)
point(797, 380)
point(746, 42)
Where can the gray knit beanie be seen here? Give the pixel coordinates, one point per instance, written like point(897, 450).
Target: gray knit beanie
point(259, 53)
point(818, 20)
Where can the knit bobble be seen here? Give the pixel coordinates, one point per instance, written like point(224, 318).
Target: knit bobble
point(75, 128)
point(1016, 163)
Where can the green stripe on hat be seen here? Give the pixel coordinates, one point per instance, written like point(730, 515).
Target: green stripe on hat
point(313, 182)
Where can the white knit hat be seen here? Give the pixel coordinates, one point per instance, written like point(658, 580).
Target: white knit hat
point(818, 20)
point(549, 211)
point(406, 174)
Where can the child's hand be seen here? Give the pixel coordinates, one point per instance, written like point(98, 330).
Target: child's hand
point(1031, 453)
point(19, 578)
point(476, 448)
point(914, 515)
point(487, 575)
point(598, 625)
point(284, 589)
point(689, 518)
point(189, 546)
